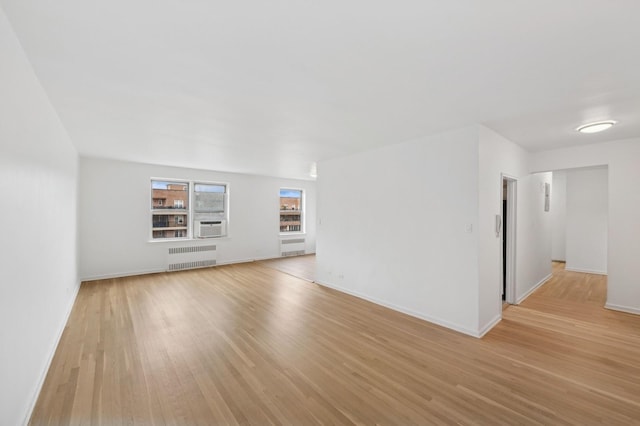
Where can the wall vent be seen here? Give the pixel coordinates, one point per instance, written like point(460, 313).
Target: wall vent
point(191, 265)
point(292, 247)
point(190, 257)
point(191, 249)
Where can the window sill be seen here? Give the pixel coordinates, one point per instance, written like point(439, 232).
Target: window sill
point(296, 234)
point(186, 240)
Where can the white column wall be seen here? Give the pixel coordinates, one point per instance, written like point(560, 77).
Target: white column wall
point(397, 226)
point(498, 157)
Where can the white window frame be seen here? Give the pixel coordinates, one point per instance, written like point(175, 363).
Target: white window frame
point(302, 210)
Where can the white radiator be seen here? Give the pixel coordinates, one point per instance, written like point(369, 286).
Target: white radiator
point(179, 258)
point(292, 247)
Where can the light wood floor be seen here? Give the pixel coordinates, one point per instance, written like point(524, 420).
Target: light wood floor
point(248, 344)
point(300, 266)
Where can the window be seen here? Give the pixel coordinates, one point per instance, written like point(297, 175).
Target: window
point(169, 209)
point(209, 198)
point(291, 210)
point(172, 212)
point(209, 205)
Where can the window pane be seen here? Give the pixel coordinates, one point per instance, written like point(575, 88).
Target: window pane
point(209, 198)
point(290, 193)
point(203, 187)
point(170, 195)
point(290, 210)
point(170, 205)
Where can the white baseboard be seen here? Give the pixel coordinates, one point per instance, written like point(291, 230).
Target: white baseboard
point(43, 375)
point(585, 271)
point(627, 309)
point(121, 274)
point(235, 261)
point(532, 289)
point(484, 330)
point(156, 271)
point(437, 321)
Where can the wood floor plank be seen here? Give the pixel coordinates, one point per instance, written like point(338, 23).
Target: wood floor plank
point(252, 345)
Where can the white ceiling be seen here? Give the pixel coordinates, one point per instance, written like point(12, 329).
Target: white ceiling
point(269, 87)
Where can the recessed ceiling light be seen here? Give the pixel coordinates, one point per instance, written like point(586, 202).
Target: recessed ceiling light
point(596, 127)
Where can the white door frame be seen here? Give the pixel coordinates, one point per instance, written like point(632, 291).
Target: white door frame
point(512, 192)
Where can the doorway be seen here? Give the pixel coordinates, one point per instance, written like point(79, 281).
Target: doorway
point(508, 190)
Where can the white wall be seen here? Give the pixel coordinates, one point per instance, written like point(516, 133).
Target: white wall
point(498, 156)
point(38, 274)
point(533, 245)
point(623, 268)
point(393, 227)
point(412, 226)
point(114, 217)
point(587, 219)
point(558, 211)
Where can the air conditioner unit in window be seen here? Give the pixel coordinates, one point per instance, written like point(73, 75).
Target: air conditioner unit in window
point(211, 228)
